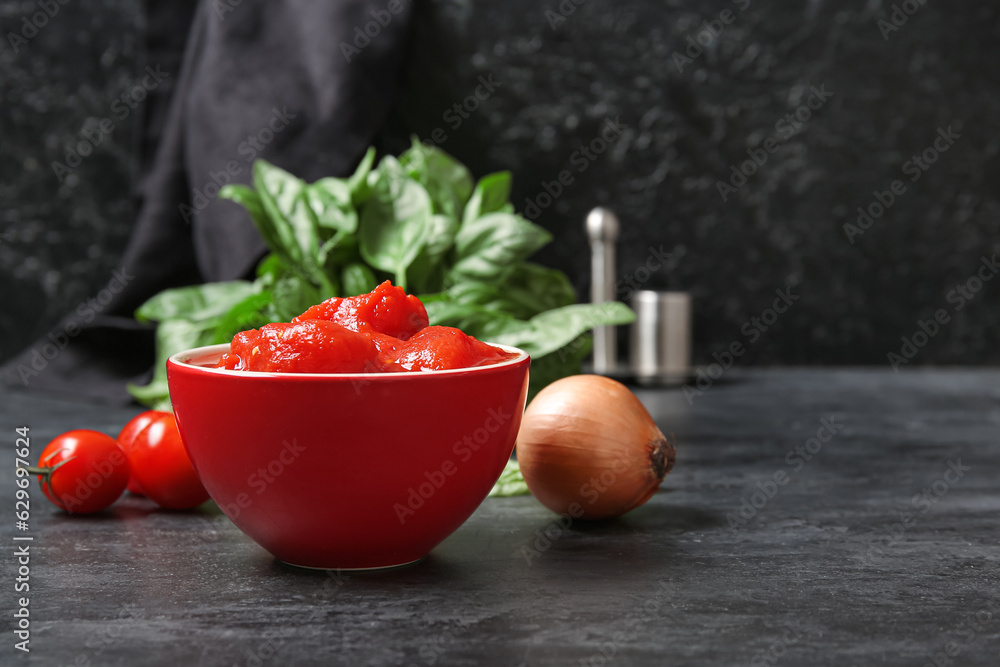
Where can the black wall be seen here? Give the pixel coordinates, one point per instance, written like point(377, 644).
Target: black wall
point(558, 77)
point(60, 241)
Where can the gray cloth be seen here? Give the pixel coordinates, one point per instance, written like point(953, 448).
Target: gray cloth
point(305, 85)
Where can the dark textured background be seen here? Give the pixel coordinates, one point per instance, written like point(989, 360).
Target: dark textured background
point(558, 85)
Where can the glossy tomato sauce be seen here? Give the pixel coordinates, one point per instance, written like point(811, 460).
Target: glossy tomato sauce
point(384, 331)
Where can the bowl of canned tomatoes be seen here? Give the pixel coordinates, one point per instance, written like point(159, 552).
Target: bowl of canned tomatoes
point(354, 436)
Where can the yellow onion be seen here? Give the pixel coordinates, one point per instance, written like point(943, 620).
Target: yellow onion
point(588, 448)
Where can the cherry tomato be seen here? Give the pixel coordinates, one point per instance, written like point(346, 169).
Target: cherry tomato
point(82, 471)
point(162, 468)
point(127, 438)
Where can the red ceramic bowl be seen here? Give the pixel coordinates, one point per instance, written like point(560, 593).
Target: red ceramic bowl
point(352, 470)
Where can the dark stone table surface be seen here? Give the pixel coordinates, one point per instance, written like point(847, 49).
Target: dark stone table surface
point(878, 546)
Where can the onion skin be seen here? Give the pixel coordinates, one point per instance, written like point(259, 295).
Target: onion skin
point(588, 448)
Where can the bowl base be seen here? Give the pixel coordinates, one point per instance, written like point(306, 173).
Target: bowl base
point(352, 569)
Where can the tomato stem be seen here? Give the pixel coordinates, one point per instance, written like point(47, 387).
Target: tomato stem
point(45, 471)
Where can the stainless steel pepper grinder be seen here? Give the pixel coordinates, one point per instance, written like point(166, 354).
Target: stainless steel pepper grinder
point(602, 230)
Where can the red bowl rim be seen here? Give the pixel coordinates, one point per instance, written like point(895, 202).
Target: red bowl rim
point(182, 360)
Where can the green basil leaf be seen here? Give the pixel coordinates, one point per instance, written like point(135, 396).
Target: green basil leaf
point(511, 482)
point(565, 361)
point(394, 222)
point(328, 248)
point(150, 394)
point(250, 313)
point(270, 268)
point(358, 181)
point(473, 293)
point(490, 196)
point(479, 322)
point(357, 278)
point(196, 302)
point(488, 247)
point(551, 330)
point(447, 181)
point(345, 251)
point(426, 273)
point(330, 200)
point(533, 289)
point(293, 295)
point(526, 291)
point(282, 241)
point(441, 234)
point(172, 336)
point(250, 200)
point(284, 199)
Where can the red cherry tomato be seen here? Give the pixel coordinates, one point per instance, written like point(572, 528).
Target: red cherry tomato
point(127, 439)
point(162, 468)
point(82, 471)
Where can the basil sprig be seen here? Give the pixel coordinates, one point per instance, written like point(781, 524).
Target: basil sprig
point(421, 221)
